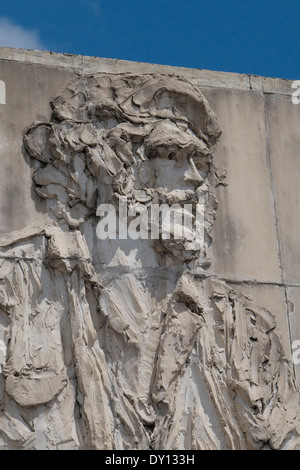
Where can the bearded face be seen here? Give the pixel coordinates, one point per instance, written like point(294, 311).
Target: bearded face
point(144, 139)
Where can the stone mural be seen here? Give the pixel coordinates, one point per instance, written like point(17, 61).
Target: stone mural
point(127, 341)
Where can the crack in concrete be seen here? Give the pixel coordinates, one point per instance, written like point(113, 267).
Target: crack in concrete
point(275, 211)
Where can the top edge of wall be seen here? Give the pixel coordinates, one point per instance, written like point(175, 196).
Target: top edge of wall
point(200, 77)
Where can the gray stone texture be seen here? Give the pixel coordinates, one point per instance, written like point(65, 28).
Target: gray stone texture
point(255, 258)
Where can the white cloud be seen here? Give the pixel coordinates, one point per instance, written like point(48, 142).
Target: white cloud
point(13, 35)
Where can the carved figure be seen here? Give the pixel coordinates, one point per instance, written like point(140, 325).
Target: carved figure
point(122, 343)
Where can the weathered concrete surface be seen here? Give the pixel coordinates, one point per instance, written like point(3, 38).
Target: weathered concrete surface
point(255, 251)
point(17, 200)
point(293, 297)
point(272, 298)
point(245, 243)
point(283, 121)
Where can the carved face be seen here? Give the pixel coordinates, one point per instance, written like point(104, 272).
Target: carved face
point(167, 166)
point(145, 138)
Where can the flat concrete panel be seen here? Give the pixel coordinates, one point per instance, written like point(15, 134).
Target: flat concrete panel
point(245, 244)
point(29, 90)
point(283, 119)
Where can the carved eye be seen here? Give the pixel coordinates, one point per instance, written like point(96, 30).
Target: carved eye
point(252, 317)
point(218, 298)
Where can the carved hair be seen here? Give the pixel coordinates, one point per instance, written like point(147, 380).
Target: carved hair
point(99, 126)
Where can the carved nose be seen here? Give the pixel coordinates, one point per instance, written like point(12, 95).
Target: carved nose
point(192, 174)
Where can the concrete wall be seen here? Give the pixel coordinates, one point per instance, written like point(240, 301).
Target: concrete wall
point(256, 234)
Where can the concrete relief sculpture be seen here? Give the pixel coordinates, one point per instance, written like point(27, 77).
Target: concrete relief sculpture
point(113, 335)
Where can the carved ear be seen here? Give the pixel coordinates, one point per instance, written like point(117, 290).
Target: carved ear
point(72, 103)
point(36, 141)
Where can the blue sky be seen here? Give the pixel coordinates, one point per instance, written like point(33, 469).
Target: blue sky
point(255, 37)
